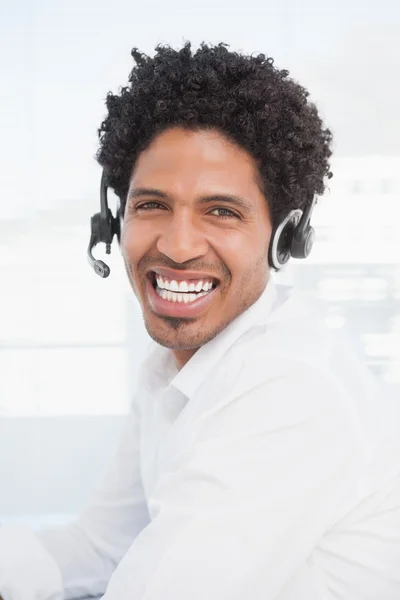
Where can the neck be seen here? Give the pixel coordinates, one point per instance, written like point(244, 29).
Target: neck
point(181, 357)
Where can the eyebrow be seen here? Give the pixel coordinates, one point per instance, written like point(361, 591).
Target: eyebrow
point(225, 198)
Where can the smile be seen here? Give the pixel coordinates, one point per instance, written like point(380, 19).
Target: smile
point(180, 297)
point(186, 290)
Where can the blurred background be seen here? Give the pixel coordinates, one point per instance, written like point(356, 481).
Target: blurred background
point(70, 342)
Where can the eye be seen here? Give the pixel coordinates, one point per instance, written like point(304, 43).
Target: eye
point(224, 213)
point(149, 206)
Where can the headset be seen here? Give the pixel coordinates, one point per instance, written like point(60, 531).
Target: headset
point(103, 227)
point(294, 236)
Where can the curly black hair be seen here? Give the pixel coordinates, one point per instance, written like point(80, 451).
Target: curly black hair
point(246, 98)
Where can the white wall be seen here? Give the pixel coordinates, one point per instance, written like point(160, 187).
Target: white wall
point(70, 342)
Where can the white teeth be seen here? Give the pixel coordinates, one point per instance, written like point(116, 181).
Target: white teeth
point(183, 286)
point(179, 297)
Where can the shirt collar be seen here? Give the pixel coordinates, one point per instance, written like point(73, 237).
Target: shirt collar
point(190, 377)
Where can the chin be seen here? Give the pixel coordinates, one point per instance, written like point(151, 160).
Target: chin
point(177, 334)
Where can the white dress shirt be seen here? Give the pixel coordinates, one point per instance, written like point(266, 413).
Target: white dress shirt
point(267, 468)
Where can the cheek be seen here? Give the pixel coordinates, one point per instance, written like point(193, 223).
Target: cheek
point(135, 242)
point(242, 251)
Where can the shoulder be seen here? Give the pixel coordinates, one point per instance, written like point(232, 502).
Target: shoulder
point(270, 392)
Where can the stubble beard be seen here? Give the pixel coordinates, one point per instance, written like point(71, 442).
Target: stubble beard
point(185, 339)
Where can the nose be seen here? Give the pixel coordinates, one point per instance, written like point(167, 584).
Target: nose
point(182, 240)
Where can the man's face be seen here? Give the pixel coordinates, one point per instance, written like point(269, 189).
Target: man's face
point(195, 237)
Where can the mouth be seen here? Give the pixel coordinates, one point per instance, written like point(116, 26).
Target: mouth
point(184, 296)
point(185, 291)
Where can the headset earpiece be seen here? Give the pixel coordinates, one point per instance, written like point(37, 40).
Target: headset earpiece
point(302, 242)
point(294, 237)
point(279, 248)
point(103, 226)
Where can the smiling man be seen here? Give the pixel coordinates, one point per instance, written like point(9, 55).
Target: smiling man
point(195, 237)
point(261, 460)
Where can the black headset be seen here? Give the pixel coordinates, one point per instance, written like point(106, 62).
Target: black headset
point(294, 236)
point(103, 227)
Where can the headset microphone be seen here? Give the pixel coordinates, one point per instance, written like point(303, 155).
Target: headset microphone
point(103, 226)
point(294, 237)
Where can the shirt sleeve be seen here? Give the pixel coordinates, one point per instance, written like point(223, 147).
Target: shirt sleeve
point(242, 509)
point(78, 559)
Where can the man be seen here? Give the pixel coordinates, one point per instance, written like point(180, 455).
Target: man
point(259, 461)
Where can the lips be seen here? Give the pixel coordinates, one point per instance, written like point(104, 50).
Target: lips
point(164, 307)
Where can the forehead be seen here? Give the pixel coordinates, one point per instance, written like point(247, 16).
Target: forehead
point(202, 159)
